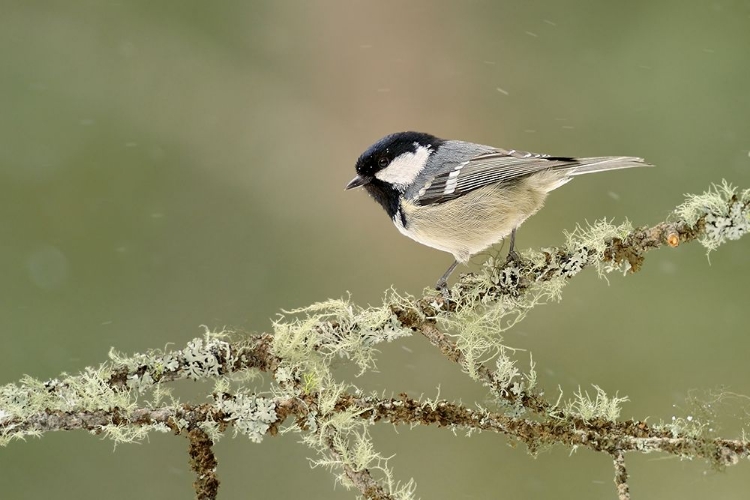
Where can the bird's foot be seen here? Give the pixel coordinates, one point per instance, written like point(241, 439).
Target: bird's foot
point(514, 258)
point(442, 287)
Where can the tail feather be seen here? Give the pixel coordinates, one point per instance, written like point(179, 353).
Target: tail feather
point(602, 163)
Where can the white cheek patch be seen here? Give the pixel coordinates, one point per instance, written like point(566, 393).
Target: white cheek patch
point(405, 168)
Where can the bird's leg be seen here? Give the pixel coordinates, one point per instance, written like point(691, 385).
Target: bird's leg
point(442, 283)
point(512, 254)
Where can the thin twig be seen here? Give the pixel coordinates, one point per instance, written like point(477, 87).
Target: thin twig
point(621, 477)
point(370, 488)
point(203, 463)
point(529, 400)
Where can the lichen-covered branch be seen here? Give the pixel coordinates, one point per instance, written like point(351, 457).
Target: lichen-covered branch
point(333, 416)
point(621, 477)
point(600, 434)
point(203, 464)
point(361, 478)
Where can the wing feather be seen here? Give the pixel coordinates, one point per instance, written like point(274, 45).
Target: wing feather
point(490, 168)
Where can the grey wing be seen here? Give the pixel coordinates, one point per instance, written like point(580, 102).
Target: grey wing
point(496, 167)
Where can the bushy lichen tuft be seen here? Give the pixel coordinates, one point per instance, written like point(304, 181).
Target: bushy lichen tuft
point(685, 426)
point(587, 245)
point(310, 339)
point(500, 295)
point(123, 434)
point(354, 450)
point(492, 302)
point(726, 211)
point(87, 392)
point(509, 377)
point(587, 408)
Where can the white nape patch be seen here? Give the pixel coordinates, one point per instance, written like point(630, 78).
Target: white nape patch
point(406, 167)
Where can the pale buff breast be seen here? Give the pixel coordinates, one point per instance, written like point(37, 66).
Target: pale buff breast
point(494, 211)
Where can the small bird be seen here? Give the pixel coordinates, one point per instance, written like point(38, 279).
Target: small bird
point(462, 197)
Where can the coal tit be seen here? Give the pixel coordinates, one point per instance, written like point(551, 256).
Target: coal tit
point(462, 197)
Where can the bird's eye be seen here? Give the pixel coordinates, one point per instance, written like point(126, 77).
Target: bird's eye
point(382, 162)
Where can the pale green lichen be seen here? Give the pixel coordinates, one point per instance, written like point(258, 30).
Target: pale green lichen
point(121, 434)
point(88, 391)
point(93, 389)
point(329, 395)
point(202, 358)
point(726, 211)
point(505, 369)
point(714, 200)
point(587, 408)
point(212, 430)
point(249, 414)
point(509, 378)
point(684, 426)
point(354, 450)
point(588, 245)
point(494, 303)
point(706, 412)
point(310, 339)
point(495, 307)
point(340, 436)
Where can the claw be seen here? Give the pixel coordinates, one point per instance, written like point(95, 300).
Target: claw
point(514, 258)
point(442, 283)
point(512, 254)
point(442, 287)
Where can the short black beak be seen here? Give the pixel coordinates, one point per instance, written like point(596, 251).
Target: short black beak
point(358, 181)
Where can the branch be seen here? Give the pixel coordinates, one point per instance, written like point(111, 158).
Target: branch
point(203, 464)
point(360, 478)
point(333, 417)
point(597, 435)
point(621, 477)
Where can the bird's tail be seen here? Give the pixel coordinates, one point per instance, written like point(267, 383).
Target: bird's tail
point(602, 163)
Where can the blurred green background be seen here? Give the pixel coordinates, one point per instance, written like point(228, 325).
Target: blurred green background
point(170, 165)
